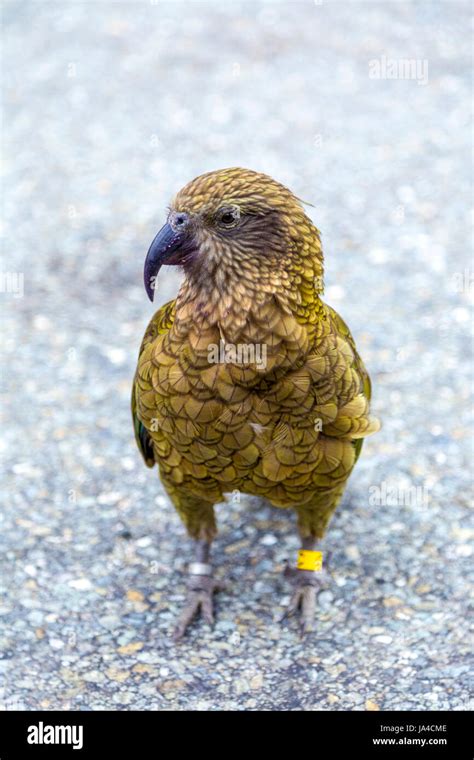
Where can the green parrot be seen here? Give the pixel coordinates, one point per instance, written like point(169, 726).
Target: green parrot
point(248, 381)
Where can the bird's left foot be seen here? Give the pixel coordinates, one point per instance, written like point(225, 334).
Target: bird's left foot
point(303, 598)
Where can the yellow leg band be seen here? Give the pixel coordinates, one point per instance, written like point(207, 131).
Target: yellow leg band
point(308, 560)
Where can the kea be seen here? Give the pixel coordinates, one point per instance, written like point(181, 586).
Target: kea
point(248, 382)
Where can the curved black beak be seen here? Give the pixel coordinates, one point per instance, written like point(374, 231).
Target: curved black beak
point(167, 242)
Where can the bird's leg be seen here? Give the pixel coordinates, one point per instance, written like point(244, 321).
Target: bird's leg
point(307, 578)
point(201, 589)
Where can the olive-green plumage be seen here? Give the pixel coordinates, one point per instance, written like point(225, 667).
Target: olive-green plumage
point(284, 417)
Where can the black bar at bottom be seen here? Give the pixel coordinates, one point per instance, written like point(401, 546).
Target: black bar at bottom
point(84, 734)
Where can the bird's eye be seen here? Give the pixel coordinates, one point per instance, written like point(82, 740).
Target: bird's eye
point(228, 216)
point(180, 219)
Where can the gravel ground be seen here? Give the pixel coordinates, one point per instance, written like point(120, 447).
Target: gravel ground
point(109, 109)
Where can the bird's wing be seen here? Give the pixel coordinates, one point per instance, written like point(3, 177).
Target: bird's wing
point(160, 323)
point(358, 365)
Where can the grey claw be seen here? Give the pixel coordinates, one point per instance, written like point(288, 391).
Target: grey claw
point(200, 600)
point(187, 615)
point(207, 609)
point(304, 599)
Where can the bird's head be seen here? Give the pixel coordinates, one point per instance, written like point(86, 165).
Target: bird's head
point(232, 226)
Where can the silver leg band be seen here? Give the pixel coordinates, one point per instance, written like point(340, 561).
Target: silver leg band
point(199, 568)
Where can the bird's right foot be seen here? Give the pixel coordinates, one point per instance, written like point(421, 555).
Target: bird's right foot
point(200, 599)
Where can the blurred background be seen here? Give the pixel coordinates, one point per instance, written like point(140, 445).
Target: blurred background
point(361, 108)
